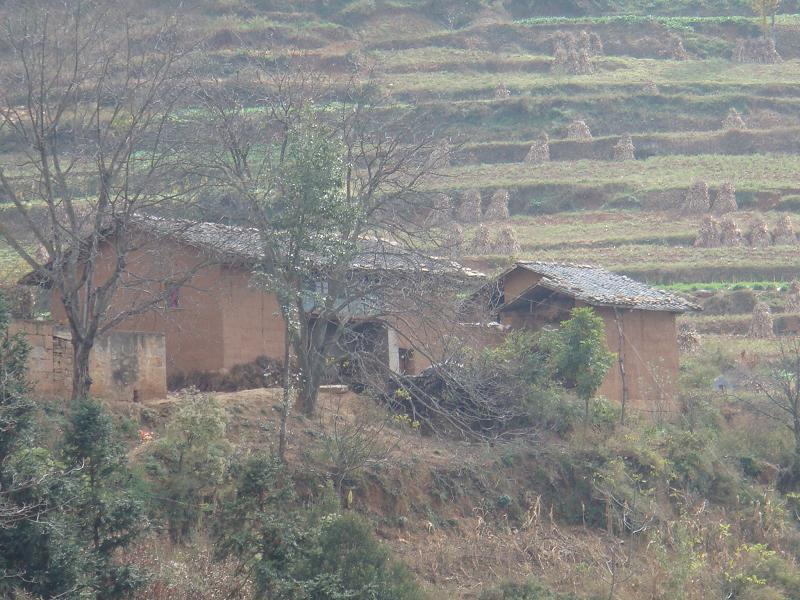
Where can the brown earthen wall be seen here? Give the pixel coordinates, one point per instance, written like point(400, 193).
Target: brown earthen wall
point(122, 365)
point(650, 356)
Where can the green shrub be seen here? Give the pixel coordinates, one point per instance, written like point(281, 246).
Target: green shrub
point(527, 590)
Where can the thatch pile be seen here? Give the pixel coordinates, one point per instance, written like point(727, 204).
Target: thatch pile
point(688, 339)
point(579, 130)
point(725, 201)
point(709, 235)
point(481, 243)
point(651, 88)
point(734, 120)
point(540, 150)
point(441, 209)
point(469, 211)
point(761, 326)
point(793, 301)
point(730, 234)
point(498, 206)
point(506, 242)
point(454, 239)
point(760, 236)
point(784, 233)
point(676, 50)
point(760, 50)
point(624, 149)
point(571, 55)
point(501, 91)
point(697, 200)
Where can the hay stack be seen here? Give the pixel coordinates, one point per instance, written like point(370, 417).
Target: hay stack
point(793, 301)
point(571, 55)
point(760, 50)
point(595, 44)
point(441, 208)
point(709, 235)
point(506, 242)
point(454, 239)
point(734, 120)
point(725, 201)
point(676, 49)
point(579, 130)
point(784, 232)
point(651, 88)
point(688, 338)
point(730, 234)
point(761, 325)
point(481, 243)
point(469, 211)
point(501, 91)
point(540, 151)
point(697, 200)
point(498, 206)
point(759, 235)
point(624, 149)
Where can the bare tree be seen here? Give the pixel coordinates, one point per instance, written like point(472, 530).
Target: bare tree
point(778, 388)
point(335, 192)
point(87, 104)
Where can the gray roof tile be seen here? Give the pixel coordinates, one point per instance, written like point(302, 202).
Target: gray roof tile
point(596, 286)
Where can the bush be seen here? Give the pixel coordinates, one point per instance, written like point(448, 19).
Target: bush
point(528, 590)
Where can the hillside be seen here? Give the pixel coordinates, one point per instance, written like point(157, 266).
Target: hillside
point(696, 499)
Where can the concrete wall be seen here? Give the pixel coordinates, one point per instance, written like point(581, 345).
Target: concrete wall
point(123, 365)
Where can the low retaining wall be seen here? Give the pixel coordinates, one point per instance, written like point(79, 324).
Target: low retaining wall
point(124, 365)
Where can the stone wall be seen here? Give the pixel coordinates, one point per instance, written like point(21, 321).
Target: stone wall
point(125, 365)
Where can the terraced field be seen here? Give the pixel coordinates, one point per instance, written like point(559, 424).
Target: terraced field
point(489, 80)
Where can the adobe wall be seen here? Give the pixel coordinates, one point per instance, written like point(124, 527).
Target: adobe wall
point(650, 355)
point(123, 365)
point(252, 325)
point(193, 329)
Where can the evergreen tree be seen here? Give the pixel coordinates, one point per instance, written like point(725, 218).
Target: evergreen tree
point(106, 511)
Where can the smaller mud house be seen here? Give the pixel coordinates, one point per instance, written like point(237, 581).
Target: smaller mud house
point(218, 319)
point(639, 321)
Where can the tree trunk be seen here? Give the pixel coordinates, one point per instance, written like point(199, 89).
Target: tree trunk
point(287, 396)
point(309, 388)
point(81, 380)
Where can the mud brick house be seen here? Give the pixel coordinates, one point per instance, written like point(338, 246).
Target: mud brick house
point(218, 319)
point(639, 321)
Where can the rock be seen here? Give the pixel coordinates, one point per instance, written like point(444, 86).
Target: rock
point(759, 235)
point(725, 201)
point(498, 206)
point(469, 211)
point(579, 130)
point(734, 120)
point(730, 234)
point(540, 151)
point(697, 200)
point(784, 233)
point(761, 325)
point(624, 150)
point(506, 242)
point(709, 235)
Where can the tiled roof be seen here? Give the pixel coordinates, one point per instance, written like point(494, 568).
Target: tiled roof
point(596, 286)
point(242, 244)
